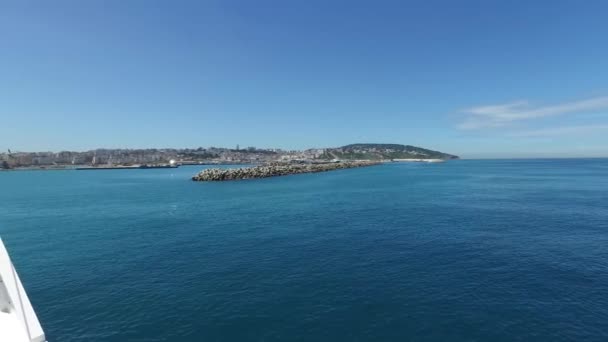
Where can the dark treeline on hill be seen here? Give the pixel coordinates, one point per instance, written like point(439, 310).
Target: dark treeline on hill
point(384, 151)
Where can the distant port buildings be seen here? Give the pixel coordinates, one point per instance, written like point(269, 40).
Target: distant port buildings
point(212, 155)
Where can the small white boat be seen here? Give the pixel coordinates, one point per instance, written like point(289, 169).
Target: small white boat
point(18, 321)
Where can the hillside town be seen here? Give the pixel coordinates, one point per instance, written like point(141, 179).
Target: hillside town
point(212, 155)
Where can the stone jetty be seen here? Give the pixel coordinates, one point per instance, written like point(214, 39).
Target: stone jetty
point(275, 169)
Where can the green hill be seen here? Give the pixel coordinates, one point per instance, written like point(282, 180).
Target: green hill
point(383, 151)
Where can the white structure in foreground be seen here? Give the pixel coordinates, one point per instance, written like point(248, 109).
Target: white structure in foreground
point(18, 321)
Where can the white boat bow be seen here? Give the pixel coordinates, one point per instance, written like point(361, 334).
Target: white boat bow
point(18, 321)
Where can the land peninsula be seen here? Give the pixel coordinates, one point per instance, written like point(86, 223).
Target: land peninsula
point(138, 159)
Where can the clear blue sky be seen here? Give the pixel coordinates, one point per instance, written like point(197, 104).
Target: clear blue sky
point(474, 78)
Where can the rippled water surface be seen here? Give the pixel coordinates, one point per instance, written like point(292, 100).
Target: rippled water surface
point(510, 250)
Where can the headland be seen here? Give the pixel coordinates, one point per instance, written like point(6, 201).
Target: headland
point(107, 159)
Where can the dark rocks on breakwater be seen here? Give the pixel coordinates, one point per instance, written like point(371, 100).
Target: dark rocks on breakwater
point(274, 169)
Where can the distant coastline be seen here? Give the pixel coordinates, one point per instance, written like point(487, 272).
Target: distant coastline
point(132, 158)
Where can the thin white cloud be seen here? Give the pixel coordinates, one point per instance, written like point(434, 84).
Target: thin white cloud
point(563, 131)
point(483, 117)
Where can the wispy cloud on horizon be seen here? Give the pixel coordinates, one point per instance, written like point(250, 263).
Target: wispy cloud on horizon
point(492, 116)
point(561, 131)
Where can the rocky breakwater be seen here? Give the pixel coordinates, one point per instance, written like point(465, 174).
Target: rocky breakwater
point(274, 169)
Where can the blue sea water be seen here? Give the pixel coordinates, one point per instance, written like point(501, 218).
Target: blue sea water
point(487, 250)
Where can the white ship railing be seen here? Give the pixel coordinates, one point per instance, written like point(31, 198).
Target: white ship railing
point(18, 321)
